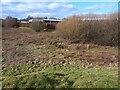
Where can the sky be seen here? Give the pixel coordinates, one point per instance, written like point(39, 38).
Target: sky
point(59, 9)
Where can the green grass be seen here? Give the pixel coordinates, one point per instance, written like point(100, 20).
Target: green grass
point(25, 28)
point(110, 50)
point(56, 76)
point(45, 30)
point(39, 75)
point(48, 30)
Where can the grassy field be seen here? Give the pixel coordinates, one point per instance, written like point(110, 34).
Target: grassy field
point(25, 28)
point(41, 60)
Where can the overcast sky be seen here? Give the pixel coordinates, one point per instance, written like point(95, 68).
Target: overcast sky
point(55, 9)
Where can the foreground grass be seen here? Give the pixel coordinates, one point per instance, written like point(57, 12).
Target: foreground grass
point(33, 60)
point(56, 76)
point(42, 75)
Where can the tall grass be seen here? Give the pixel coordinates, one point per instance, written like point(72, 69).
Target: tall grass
point(72, 28)
point(103, 32)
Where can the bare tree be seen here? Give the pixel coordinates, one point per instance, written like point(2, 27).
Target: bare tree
point(10, 22)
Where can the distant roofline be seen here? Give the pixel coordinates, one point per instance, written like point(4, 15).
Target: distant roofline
point(53, 19)
point(46, 20)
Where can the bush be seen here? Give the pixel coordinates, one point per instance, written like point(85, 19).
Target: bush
point(37, 26)
point(10, 22)
point(50, 25)
point(72, 28)
point(102, 32)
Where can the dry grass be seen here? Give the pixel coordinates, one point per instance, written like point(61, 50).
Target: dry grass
point(102, 32)
point(72, 28)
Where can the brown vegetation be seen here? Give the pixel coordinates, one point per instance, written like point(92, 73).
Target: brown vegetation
point(50, 25)
point(27, 46)
point(72, 28)
point(10, 22)
point(103, 32)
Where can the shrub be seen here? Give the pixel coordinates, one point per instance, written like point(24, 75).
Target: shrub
point(37, 26)
point(10, 22)
point(72, 28)
point(50, 25)
point(104, 32)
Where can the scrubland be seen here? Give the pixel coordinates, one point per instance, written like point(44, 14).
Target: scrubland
point(76, 55)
